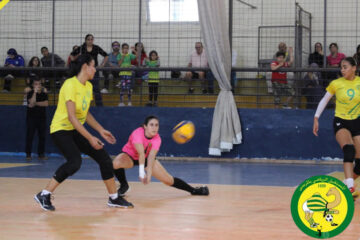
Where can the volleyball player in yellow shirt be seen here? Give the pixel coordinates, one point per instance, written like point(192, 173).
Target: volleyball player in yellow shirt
point(72, 138)
point(346, 122)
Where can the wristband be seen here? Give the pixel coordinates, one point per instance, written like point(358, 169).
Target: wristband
point(141, 171)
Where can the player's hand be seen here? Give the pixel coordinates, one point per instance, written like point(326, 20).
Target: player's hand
point(316, 126)
point(96, 143)
point(108, 136)
point(291, 49)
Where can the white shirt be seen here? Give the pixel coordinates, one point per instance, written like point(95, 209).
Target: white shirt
point(197, 60)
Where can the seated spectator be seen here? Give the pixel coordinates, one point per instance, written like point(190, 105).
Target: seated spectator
point(46, 61)
point(13, 60)
point(36, 118)
point(112, 62)
point(198, 59)
point(317, 56)
point(279, 79)
point(32, 74)
point(357, 56)
point(75, 53)
point(313, 90)
point(333, 61)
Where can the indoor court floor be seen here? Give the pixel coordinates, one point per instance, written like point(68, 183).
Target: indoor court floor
point(246, 201)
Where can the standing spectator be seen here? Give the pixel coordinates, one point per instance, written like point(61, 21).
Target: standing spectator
point(333, 61)
point(282, 47)
point(154, 79)
point(112, 62)
point(357, 56)
point(36, 118)
point(124, 60)
point(12, 61)
point(279, 79)
point(75, 53)
point(46, 61)
point(197, 59)
point(140, 53)
point(317, 56)
point(313, 90)
point(31, 75)
point(94, 50)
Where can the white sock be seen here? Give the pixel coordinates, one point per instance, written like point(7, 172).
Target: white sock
point(113, 196)
point(349, 182)
point(45, 192)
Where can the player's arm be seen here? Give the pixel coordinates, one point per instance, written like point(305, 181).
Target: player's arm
point(322, 105)
point(95, 142)
point(103, 132)
point(140, 150)
point(151, 159)
point(291, 53)
point(274, 67)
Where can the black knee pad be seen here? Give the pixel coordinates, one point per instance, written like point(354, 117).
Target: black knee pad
point(349, 153)
point(106, 169)
point(357, 166)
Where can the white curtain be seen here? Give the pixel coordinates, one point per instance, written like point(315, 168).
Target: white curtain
point(226, 128)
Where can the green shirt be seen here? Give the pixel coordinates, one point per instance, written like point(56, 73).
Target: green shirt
point(126, 63)
point(153, 76)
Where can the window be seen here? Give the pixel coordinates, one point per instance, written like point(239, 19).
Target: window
point(173, 11)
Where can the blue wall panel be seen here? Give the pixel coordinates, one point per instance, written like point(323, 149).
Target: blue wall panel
point(267, 133)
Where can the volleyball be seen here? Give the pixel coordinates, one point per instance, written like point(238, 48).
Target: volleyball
point(183, 132)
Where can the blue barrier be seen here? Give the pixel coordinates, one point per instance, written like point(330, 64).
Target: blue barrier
point(267, 133)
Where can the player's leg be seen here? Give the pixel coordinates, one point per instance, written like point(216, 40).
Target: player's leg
point(121, 162)
point(160, 173)
point(356, 141)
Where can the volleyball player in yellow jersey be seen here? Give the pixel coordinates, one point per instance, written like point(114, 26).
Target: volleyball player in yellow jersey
point(347, 121)
point(72, 139)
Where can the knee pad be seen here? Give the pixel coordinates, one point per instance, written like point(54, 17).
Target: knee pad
point(106, 169)
point(349, 153)
point(357, 166)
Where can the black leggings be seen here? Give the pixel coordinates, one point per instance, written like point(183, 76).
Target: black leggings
point(72, 144)
point(153, 91)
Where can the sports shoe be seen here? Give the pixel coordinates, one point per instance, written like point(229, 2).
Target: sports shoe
point(129, 104)
point(286, 107)
point(28, 158)
point(118, 85)
point(191, 90)
point(124, 188)
point(44, 201)
point(355, 194)
point(42, 157)
point(204, 191)
point(119, 202)
point(121, 104)
point(104, 91)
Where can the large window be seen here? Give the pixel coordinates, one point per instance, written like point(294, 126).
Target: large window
point(173, 11)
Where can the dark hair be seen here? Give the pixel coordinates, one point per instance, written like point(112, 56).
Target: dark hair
point(333, 44)
point(44, 48)
point(75, 50)
point(124, 45)
point(358, 48)
point(149, 118)
point(153, 51)
point(280, 53)
point(88, 35)
point(112, 44)
point(31, 62)
point(350, 60)
point(143, 48)
point(12, 51)
point(317, 44)
point(77, 65)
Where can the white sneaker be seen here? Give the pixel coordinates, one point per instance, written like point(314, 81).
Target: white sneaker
point(104, 91)
point(118, 85)
point(129, 104)
point(286, 107)
point(121, 104)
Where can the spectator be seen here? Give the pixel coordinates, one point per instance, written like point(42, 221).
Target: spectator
point(94, 50)
point(140, 53)
point(198, 59)
point(317, 56)
point(124, 60)
point(12, 61)
point(282, 47)
point(313, 90)
point(153, 79)
point(36, 118)
point(75, 53)
point(279, 79)
point(357, 56)
point(112, 62)
point(46, 61)
point(34, 63)
point(333, 61)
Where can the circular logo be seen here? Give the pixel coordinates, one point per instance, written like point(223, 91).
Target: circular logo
point(322, 206)
point(3, 3)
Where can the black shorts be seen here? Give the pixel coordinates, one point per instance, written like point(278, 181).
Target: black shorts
point(352, 125)
point(136, 162)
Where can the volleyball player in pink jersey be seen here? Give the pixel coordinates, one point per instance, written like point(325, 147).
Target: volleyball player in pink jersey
point(141, 149)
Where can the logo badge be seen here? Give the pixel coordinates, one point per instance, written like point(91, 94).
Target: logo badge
point(322, 207)
point(3, 3)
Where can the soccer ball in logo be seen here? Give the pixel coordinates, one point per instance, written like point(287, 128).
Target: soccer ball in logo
point(329, 218)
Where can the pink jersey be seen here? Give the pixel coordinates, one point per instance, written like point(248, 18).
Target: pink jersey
point(138, 136)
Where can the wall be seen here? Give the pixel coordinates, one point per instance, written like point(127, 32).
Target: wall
point(282, 134)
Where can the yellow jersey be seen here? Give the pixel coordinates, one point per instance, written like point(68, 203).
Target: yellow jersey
point(347, 95)
point(72, 90)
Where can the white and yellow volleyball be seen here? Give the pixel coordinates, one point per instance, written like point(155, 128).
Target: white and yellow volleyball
point(183, 132)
